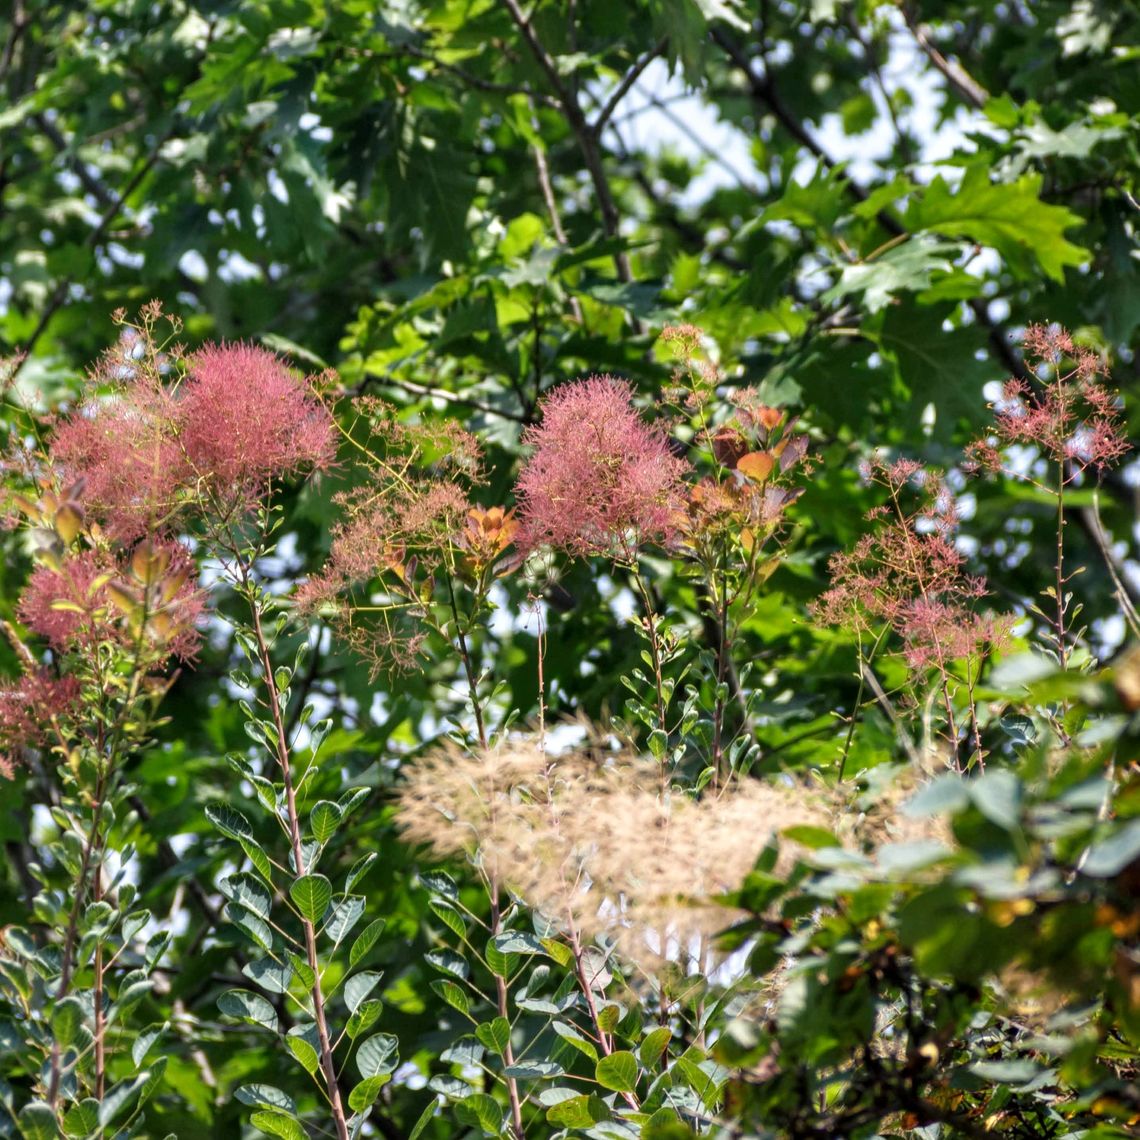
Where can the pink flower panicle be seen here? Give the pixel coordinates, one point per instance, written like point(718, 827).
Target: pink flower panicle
point(400, 535)
point(599, 480)
point(149, 601)
point(125, 450)
point(908, 574)
point(1074, 419)
point(245, 420)
point(154, 445)
point(28, 707)
point(68, 604)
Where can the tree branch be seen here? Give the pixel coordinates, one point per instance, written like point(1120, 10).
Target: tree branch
point(55, 303)
point(438, 393)
point(628, 80)
point(587, 142)
point(964, 84)
point(764, 91)
point(475, 82)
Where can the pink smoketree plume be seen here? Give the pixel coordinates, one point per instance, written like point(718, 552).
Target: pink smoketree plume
point(29, 706)
point(1072, 416)
point(246, 420)
point(908, 574)
point(156, 446)
point(600, 480)
point(124, 449)
point(92, 597)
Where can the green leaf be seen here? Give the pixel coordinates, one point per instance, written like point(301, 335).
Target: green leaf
point(703, 1077)
point(249, 892)
point(450, 917)
point(665, 1124)
point(364, 1017)
point(1108, 857)
point(359, 870)
point(365, 940)
point(359, 986)
point(303, 1048)
point(533, 1070)
point(324, 820)
point(618, 1071)
point(344, 914)
point(274, 1124)
point(311, 894)
point(910, 267)
point(816, 838)
point(518, 942)
point(125, 1093)
point(229, 821)
point(454, 995)
point(37, 1121)
point(608, 1017)
point(1013, 1072)
point(481, 1111)
point(572, 1036)
point(153, 1078)
point(500, 964)
point(936, 366)
point(258, 858)
point(81, 1119)
point(143, 1042)
point(249, 1007)
point(259, 931)
point(266, 1096)
point(365, 1093)
point(653, 1046)
point(377, 1055)
point(997, 794)
point(424, 1120)
point(440, 883)
point(269, 974)
point(945, 793)
point(579, 1112)
point(448, 962)
point(66, 1019)
point(495, 1035)
point(559, 951)
point(303, 971)
point(1009, 216)
point(134, 923)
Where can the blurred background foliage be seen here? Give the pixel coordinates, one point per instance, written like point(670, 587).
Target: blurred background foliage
point(458, 204)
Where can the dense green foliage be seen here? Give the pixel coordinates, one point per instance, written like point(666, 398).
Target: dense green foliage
point(459, 206)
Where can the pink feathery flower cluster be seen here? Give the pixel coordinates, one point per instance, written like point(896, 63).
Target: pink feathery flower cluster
point(237, 421)
point(147, 600)
point(245, 420)
point(28, 707)
point(124, 450)
point(599, 480)
point(1073, 419)
point(908, 574)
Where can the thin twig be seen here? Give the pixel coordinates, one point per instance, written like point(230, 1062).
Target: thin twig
point(1125, 595)
point(703, 146)
point(438, 393)
point(868, 675)
point(15, 31)
point(963, 83)
point(542, 170)
point(587, 141)
point(764, 91)
point(628, 80)
point(93, 239)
